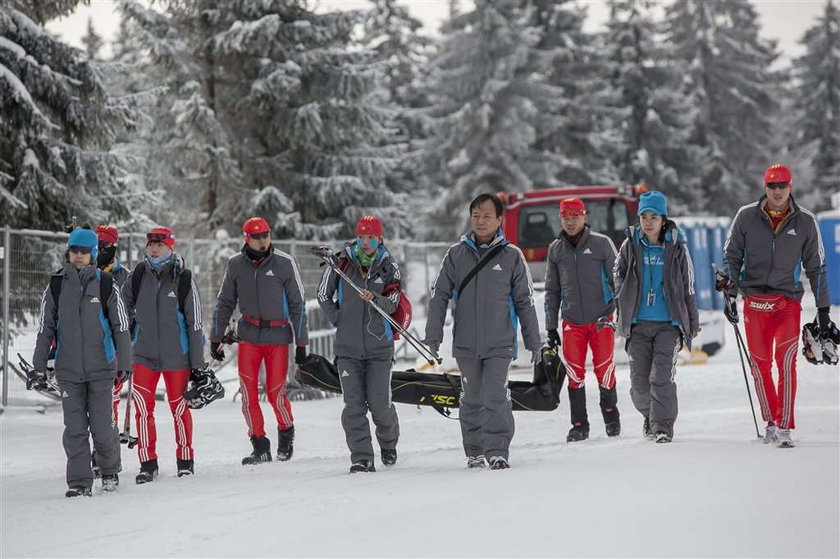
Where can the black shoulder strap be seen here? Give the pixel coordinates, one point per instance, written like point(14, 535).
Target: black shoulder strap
point(481, 263)
point(55, 289)
point(184, 286)
point(137, 280)
point(106, 286)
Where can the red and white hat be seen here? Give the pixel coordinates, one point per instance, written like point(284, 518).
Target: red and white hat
point(777, 173)
point(161, 235)
point(255, 225)
point(572, 206)
point(369, 225)
point(107, 234)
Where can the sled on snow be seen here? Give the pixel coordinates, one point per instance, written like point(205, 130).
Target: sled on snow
point(442, 391)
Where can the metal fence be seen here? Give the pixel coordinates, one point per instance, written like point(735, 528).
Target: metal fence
point(28, 257)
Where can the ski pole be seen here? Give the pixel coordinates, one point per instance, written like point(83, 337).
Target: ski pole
point(742, 349)
point(325, 253)
point(722, 282)
point(125, 436)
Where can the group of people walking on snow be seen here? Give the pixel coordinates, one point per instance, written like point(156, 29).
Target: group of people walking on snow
point(105, 325)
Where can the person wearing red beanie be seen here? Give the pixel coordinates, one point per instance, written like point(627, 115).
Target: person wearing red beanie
point(364, 342)
point(265, 284)
point(770, 242)
point(579, 287)
point(168, 342)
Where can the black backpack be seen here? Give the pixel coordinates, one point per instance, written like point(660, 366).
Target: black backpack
point(184, 284)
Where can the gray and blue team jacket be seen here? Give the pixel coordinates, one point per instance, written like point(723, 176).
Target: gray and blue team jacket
point(678, 282)
point(579, 280)
point(486, 315)
point(761, 260)
point(271, 291)
point(92, 339)
point(361, 332)
point(166, 339)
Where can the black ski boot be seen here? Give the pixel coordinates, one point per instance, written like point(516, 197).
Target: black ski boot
point(609, 410)
point(110, 482)
point(185, 468)
point(580, 421)
point(261, 452)
point(285, 443)
point(362, 466)
point(499, 463)
point(476, 462)
point(389, 456)
point(148, 472)
point(79, 492)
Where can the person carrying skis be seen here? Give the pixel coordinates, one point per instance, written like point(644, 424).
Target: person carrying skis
point(266, 284)
point(82, 309)
point(108, 262)
point(497, 293)
point(364, 342)
point(168, 341)
point(579, 285)
point(768, 244)
point(657, 312)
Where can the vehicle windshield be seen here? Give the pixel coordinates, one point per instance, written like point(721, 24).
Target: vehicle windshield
point(539, 225)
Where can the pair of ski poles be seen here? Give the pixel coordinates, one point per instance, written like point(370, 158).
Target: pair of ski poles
point(431, 357)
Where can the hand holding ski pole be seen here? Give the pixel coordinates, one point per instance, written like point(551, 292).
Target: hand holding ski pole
point(330, 259)
point(125, 436)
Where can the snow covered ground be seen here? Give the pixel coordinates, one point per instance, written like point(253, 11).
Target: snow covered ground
point(714, 492)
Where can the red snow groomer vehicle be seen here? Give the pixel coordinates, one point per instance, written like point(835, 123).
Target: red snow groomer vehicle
point(531, 220)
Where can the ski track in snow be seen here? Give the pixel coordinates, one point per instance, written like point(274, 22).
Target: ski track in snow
point(715, 491)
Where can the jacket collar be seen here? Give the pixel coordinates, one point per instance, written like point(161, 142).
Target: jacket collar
point(468, 239)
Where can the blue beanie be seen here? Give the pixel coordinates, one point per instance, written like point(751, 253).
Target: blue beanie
point(84, 238)
point(653, 201)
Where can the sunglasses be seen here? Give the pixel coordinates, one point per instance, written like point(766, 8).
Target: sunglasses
point(103, 246)
point(777, 185)
point(80, 250)
point(158, 237)
point(259, 235)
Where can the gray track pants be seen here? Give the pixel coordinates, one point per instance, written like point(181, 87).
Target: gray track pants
point(486, 411)
point(653, 348)
point(88, 411)
point(366, 385)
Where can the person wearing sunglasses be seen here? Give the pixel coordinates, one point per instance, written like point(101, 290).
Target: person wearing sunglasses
point(579, 288)
point(168, 341)
point(769, 243)
point(92, 345)
point(265, 283)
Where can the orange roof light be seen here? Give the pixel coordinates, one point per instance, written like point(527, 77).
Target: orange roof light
point(640, 189)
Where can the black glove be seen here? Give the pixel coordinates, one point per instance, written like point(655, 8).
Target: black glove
point(216, 351)
point(536, 355)
point(723, 283)
point(824, 318)
point(554, 338)
point(36, 380)
point(730, 310)
point(121, 377)
point(300, 355)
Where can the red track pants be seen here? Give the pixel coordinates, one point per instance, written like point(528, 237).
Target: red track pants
point(118, 386)
point(145, 385)
point(276, 366)
point(773, 320)
point(576, 339)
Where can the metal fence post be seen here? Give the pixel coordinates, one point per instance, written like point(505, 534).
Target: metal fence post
point(7, 326)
